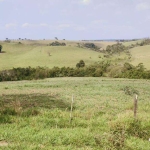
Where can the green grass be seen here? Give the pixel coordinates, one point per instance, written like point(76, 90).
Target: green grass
point(141, 55)
point(24, 55)
point(36, 114)
point(132, 42)
point(37, 53)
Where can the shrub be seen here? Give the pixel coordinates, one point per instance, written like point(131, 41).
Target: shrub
point(103, 68)
point(115, 48)
point(1, 48)
point(56, 43)
point(130, 91)
point(80, 64)
point(91, 46)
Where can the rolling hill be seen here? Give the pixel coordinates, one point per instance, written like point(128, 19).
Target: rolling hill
point(37, 53)
point(141, 55)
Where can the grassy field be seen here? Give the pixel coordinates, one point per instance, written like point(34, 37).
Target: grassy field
point(24, 55)
point(131, 42)
point(36, 114)
point(141, 55)
point(37, 53)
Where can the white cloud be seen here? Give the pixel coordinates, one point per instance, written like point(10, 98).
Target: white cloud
point(43, 11)
point(64, 26)
point(1, 0)
point(79, 28)
point(86, 1)
point(26, 25)
point(29, 25)
point(43, 25)
point(10, 25)
point(108, 3)
point(142, 6)
point(99, 21)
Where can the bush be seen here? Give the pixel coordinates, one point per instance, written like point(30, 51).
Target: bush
point(56, 43)
point(80, 64)
point(91, 46)
point(115, 48)
point(128, 90)
point(103, 68)
point(1, 48)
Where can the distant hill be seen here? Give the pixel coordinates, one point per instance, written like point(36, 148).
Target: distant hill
point(141, 54)
point(24, 53)
point(37, 53)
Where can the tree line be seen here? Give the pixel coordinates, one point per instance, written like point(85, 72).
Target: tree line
point(99, 69)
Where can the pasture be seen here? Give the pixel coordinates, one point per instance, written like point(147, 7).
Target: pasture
point(36, 114)
point(132, 42)
point(141, 55)
point(39, 54)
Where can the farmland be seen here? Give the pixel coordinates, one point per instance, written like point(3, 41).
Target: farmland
point(37, 53)
point(141, 54)
point(33, 54)
point(36, 114)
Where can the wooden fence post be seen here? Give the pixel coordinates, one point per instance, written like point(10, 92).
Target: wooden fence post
point(135, 105)
point(71, 109)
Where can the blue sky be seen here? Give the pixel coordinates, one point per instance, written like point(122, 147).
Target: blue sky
point(74, 19)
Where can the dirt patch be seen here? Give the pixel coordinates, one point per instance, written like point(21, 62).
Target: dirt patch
point(32, 101)
point(3, 143)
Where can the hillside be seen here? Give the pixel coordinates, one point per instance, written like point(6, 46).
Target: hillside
point(37, 53)
point(141, 55)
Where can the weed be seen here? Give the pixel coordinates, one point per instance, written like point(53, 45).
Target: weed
point(5, 119)
point(135, 128)
point(30, 112)
point(128, 90)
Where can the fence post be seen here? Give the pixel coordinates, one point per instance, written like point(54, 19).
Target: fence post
point(71, 109)
point(135, 105)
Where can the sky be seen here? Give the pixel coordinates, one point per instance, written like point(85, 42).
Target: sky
point(74, 19)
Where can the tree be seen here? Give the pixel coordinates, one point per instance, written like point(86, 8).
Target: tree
point(1, 48)
point(56, 38)
point(57, 44)
point(80, 64)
